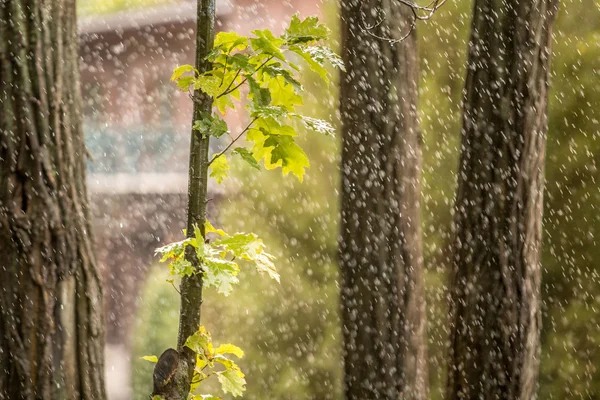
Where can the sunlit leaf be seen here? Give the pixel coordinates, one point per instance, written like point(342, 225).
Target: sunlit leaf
point(229, 41)
point(211, 125)
point(200, 342)
point(219, 168)
point(153, 359)
point(266, 43)
point(307, 30)
point(211, 229)
point(220, 274)
point(232, 381)
point(209, 84)
point(180, 70)
point(288, 154)
point(229, 348)
point(247, 156)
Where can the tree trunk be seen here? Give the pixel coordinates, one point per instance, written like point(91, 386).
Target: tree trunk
point(382, 298)
point(51, 324)
point(191, 286)
point(495, 287)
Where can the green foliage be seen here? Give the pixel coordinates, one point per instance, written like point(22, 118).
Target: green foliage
point(260, 64)
point(214, 362)
point(257, 64)
point(218, 257)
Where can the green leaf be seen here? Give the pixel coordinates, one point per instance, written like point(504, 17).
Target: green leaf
point(223, 102)
point(229, 348)
point(323, 53)
point(174, 250)
point(249, 247)
point(180, 70)
point(181, 268)
point(226, 362)
point(229, 41)
point(219, 168)
point(260, 96)
point(307, 30)
point(154, 359)
point(240, 62)
point(275, 69)
point(288, 154)
point(211, 229)
point(247, 156)
point(185, 82)
point(211, 125)
point(283, 93)
point(232, 381)
point(203, 397)
point(313, 64)
point(200, 342)
point(209, 84)
point(272, 126)
point(266, 43)
point(220, 274)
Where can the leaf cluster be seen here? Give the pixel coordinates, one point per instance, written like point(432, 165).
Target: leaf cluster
point(218, 257)
point(262, 66)
point(213, 361)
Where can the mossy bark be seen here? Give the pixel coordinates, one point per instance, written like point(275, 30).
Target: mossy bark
point(51, 324)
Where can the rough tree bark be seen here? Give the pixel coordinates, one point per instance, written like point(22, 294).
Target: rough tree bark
point(382, 298)
point(495, 288)
point(51, 324)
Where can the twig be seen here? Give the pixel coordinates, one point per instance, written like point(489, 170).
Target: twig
point(429, 10)
point(228, 90)
point(233, 141)
point(225, 69)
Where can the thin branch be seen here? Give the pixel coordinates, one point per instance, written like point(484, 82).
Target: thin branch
point(419, 13)
point(225, 69)
point(233, 141)
point(228, 90)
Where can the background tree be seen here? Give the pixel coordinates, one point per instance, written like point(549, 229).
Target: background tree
point(51, 324)
point(495, 287)
point(381, 266)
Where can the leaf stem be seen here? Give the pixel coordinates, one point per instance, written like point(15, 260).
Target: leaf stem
point(233, 141)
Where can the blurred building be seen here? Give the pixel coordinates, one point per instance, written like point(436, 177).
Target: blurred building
point(137, 131)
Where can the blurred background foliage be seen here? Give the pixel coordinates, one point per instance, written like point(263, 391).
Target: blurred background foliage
point(290, 331)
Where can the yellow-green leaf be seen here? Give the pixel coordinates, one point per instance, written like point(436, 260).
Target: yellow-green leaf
point(219, 168)
point(229, 348)
point(210, 228)
point(180, 70)
point(153, 359)
point(232, 381)
point(230, 41)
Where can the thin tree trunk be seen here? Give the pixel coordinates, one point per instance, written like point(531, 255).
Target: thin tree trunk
point(495, 289)
point(382, 299)
point(191, 287)
point(51, 323)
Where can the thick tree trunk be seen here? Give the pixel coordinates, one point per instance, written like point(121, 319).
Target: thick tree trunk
point(382, 299)
point(495, 289)
point(51, 332)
